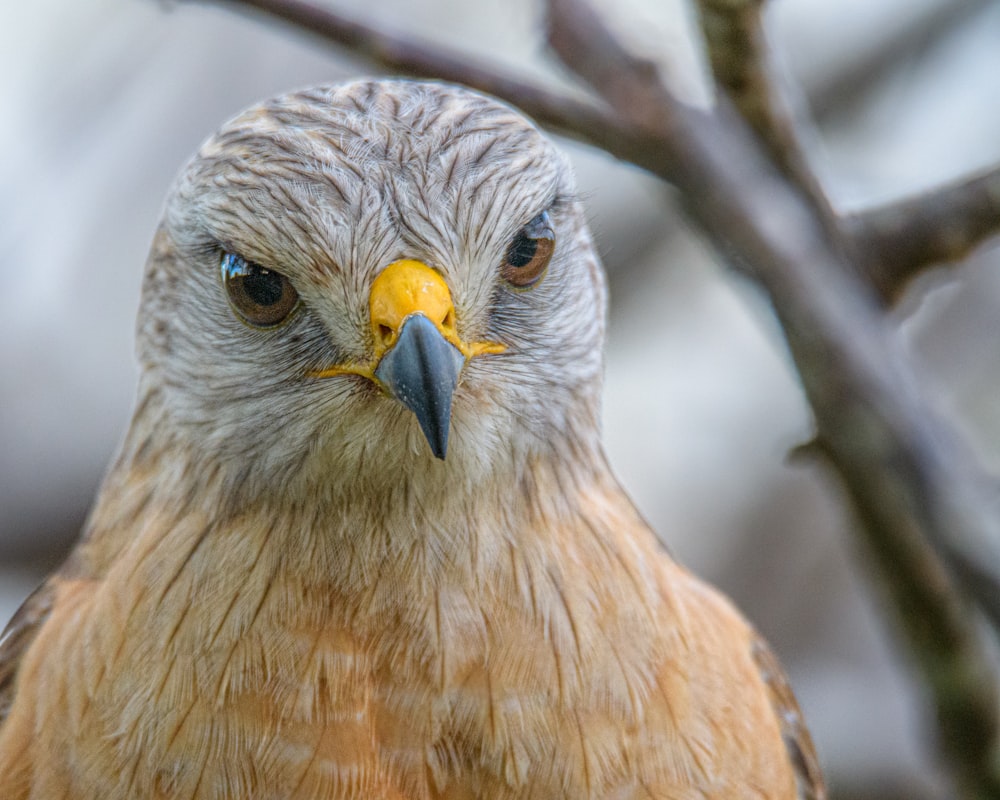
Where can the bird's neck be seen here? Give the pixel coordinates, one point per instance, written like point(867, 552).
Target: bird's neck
point(422, 532)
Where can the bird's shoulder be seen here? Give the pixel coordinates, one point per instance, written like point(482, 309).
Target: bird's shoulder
point(18, 635)
point(794, 734)
point(741, 685)
point(77, 571)
point(723, 691)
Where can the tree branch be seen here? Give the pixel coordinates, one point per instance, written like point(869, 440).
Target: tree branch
point(895, 242)
point(943, 225)
point(740, 60)
point(578, 119)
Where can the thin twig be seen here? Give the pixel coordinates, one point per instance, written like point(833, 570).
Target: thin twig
point(891, 244)
point(939, 226)
point(580, 119)
point(740, 60)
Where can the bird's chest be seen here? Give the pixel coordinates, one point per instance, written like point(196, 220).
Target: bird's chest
point(435, 702)
point(513, 681)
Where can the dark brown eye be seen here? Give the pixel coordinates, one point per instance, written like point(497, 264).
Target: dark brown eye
point(261, 297)
point(529, 252)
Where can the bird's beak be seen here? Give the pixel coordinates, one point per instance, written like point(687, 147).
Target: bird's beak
point(421, 371)
point(418, 353)
point(412, 318)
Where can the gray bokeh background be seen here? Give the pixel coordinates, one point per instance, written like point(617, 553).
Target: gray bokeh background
point(100, 103)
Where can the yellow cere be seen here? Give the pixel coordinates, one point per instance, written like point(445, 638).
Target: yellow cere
point(402, 289)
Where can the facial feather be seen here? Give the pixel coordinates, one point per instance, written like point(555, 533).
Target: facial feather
point(328, 187)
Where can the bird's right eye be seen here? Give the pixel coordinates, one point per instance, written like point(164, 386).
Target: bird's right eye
point(260, 297)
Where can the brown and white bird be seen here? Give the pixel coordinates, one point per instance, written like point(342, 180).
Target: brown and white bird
point(361, 539)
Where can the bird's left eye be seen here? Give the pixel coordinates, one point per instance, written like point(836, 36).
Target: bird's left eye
point(260, 297)
point(529, 253)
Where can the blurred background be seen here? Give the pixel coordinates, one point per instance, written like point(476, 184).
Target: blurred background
point(101, 102)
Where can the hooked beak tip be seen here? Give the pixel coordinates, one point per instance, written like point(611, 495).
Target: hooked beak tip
point(421, 370)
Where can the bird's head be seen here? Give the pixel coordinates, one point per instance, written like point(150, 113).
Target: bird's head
point(356, 280)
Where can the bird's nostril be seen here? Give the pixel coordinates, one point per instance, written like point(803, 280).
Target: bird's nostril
point(384, 333)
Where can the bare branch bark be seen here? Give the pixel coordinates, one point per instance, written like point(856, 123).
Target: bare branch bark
point(895, 242)
point(943, 225)
point(740, 59)
point(578, 119)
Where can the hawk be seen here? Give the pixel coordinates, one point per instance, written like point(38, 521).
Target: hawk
point(361, 539)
